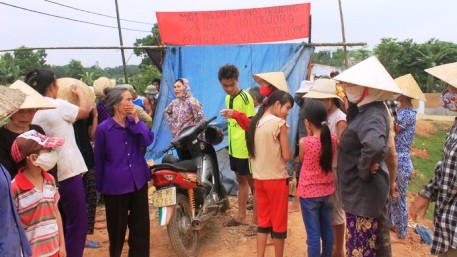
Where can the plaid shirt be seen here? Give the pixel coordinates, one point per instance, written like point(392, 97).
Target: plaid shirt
point(443, 190)
point(392, 107)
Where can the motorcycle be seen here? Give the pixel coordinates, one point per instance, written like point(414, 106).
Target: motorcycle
point(188, 187)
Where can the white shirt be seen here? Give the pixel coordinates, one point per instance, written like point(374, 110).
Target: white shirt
point(58, 122)
point(333, 120)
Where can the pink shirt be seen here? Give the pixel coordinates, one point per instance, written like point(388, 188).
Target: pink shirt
point(314, 182)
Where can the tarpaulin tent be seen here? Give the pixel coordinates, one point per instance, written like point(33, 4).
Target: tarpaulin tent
point(200, 65)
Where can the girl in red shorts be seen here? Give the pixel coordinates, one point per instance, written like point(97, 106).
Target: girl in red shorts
point(268, 146)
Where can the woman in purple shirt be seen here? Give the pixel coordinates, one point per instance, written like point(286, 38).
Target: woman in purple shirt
point(122, 173)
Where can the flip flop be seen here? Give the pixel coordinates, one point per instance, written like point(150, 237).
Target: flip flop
point(251, 231)
point(233, 223)
point(92, 244)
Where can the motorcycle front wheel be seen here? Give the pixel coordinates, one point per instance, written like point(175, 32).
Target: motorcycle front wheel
point(183, 238)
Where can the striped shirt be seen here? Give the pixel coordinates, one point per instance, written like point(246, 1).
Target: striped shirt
point(36, 211)
point(442, 189)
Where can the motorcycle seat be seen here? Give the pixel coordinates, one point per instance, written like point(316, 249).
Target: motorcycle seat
point(181, 166)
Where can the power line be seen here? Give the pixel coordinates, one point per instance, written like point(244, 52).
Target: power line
point(99, 14)
point(66, 18)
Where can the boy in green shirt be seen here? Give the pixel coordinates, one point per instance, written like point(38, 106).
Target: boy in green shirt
point(238, 99)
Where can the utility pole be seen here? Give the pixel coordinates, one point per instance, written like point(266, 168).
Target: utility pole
point(346, 65)
point(121, 43)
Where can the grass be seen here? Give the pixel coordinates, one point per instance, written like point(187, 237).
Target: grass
point(434, 145)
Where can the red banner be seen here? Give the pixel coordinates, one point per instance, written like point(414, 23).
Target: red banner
point(244, 26)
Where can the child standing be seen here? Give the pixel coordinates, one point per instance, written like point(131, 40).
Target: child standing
point(35, 193)
point(316, 186)
point(268, 147)
point(238, 101)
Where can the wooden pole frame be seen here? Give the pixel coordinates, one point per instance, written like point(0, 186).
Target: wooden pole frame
point(346, 62)
point(153, 47)
point(124, 64)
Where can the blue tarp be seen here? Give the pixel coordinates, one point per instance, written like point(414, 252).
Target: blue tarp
point(200, 65)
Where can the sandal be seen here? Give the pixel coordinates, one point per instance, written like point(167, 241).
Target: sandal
point(251, 231)
point(92, 244)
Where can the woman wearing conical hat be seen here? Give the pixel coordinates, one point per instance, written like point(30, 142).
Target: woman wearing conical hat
point(364, 185)
point(13, 240)
point(20, 122)
point(405, 128)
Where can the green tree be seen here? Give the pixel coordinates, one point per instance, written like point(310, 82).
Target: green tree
point(150, 40)
point(142, 80)
point(9, 71)
point(403, 57)
point(15, 65)
point(87, 77)
point(118, 72)
point(59, 71)
point(74, 69)
point(28, 60)
point(96, 70)
point(336, 58)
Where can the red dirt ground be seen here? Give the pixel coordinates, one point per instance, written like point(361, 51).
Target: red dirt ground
point(217, 240)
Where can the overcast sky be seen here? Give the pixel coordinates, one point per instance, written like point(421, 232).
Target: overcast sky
point(365, 21)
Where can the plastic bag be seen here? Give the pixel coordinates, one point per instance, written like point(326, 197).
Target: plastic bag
point(424, 233)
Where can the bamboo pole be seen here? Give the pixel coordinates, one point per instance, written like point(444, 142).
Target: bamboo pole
point(346, 63)
point(336, 44)
point(84, 48)
point(124, 64)
point(152, 47)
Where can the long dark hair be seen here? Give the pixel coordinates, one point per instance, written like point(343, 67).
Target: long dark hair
point(316, 114)
point(40, 80)
point(277, 96)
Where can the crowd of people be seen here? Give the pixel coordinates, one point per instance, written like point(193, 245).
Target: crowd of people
point(62, 152)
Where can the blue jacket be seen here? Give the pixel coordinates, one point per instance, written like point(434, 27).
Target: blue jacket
point(13, 241)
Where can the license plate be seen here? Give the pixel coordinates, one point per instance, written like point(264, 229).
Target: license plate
point(164, 197)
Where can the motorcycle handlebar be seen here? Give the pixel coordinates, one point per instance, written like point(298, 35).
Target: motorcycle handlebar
point(206, 124)
point(167, 149)
point(211, 119)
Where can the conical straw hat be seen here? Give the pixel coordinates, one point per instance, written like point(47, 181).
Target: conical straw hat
point(34, 100)
point(101, 83)
point(369, 73)
point(445, 72)
point(277, 79)
point(10, 101)
point(409, 87)
point(323, 89)
point(66, 85)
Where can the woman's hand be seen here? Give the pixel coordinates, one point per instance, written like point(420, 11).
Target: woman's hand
point(77, 90)
point(394, 190)
point(374, 168)
point(134, 113)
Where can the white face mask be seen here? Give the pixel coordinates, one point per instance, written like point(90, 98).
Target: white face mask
point(354, 93)
point(46, 160)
